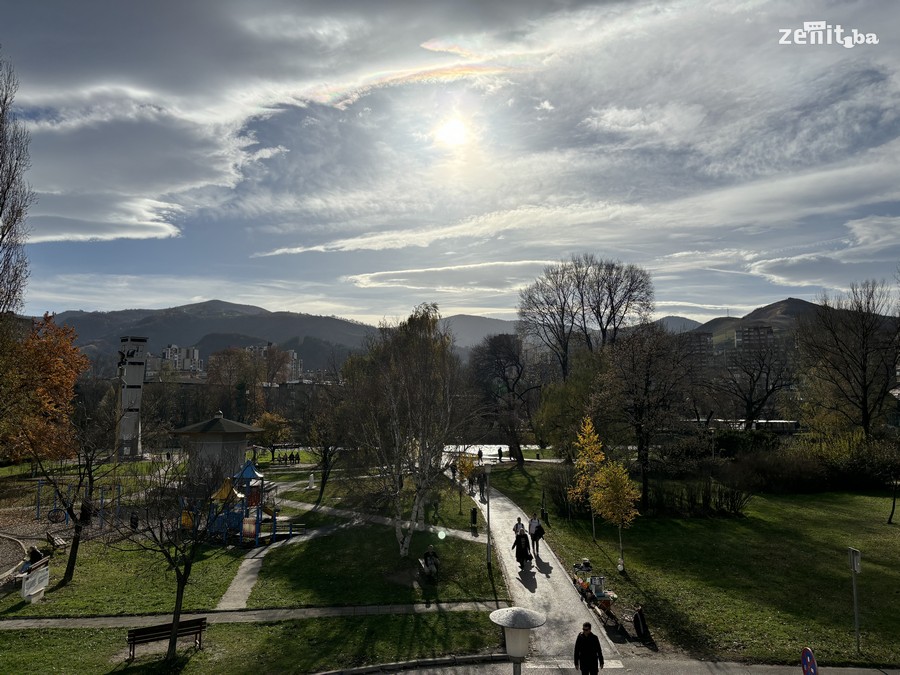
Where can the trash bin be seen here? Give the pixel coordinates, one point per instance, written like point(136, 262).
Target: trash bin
point(473, 517)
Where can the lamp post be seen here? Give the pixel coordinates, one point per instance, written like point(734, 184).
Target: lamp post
point(487, 472)
point(517, 623)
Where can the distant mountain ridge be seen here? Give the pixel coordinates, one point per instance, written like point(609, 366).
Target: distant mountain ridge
point(216, 324)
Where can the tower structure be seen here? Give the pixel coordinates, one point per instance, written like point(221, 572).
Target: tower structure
point(132, 363)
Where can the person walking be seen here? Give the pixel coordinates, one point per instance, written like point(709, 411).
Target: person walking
point(482, 479)
point(518, 527)
point(535, 531)
point(499, 454)
point(588, 653)
point(523, 555)
point(480, 455)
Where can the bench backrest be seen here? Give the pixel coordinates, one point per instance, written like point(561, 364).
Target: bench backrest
point(43, 562)
point(165, 629)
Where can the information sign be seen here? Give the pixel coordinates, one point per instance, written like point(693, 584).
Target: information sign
point(36, 581)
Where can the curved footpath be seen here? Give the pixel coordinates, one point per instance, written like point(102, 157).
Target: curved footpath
point(546, 587)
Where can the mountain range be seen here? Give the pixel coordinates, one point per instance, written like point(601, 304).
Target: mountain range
point(320, 340)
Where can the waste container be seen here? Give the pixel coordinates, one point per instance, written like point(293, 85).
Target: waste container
point(473, 517)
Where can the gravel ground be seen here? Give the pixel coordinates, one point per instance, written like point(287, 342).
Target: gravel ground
point(19, 530)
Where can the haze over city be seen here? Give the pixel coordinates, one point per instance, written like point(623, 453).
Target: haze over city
point(357, 159)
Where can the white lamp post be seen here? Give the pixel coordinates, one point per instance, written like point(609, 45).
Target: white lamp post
point(517, 623)
point(487, 471)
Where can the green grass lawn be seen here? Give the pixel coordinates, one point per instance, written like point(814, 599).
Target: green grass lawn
point(365, 568)
point(359, 494)
point(283, 647)
point(755, 589)
point(110, 582)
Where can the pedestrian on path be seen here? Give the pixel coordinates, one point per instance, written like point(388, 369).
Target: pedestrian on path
point(535, 531)
point(518, 527)
point(523, 554)
point(588, 653)
point(482, 479)
point(499, 454)
point(480, 455)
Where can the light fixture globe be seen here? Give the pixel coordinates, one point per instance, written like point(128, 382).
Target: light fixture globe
point(517, 622)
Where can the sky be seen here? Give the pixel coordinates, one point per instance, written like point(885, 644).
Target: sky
point(358, 158)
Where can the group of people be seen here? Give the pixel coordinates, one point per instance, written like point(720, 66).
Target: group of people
point(289, 458)
point(588, 653)
point(526, 550)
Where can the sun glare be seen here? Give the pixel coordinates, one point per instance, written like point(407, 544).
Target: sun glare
point(452, 133)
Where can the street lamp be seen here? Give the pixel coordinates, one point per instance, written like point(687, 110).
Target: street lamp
point(517, 623)
point(487, 471)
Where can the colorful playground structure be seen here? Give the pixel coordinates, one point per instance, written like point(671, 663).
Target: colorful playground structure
point(244, 509)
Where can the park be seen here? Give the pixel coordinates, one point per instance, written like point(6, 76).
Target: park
point(749, 590)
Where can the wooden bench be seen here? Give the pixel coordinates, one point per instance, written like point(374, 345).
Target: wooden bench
point(285, 529)
point(163, 631)
point(56, 541)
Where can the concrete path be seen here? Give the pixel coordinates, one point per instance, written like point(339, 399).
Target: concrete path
point(546, 587)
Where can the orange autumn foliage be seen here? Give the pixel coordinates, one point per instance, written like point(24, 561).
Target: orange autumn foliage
point(42, 369)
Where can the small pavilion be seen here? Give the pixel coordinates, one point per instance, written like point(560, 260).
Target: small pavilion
point(216, 444)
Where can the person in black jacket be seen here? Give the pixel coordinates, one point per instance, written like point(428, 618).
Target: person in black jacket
point(523, 548)
point(588, 653)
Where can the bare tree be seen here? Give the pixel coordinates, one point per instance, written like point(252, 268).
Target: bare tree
point(16, 195)
point(322, 427)
point(643, 388)
point(850, 345)
point(548, 311)
point(76, 483)
point(404, 392)
point(589, 297)
point(618, 295)
point(498, 368)
point(753, 375)
point(170, 513)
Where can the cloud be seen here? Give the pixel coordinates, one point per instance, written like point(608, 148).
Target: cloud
point(290, 146)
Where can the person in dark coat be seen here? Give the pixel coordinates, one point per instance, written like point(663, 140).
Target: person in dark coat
point(588, 654)
point(522, 548)
point(432, 562)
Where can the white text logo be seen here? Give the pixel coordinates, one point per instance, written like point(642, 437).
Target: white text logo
point(822, 33)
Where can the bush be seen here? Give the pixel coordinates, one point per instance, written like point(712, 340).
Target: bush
point(697, 497)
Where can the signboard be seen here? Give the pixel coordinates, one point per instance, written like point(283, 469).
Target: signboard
point(36, 581)
point(808, 662)
point(854, 560)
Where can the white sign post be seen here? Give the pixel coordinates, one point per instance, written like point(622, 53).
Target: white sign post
point(34, 583)
point(854, 570)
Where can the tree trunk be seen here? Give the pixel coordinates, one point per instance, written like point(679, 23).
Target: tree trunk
point(182, 579)
point(644, 461)
point(73, 553)
point(890, 520)
point(326, 472)
point(621, 548)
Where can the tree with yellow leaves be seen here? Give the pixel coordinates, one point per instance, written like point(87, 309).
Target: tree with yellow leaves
point(604, 485)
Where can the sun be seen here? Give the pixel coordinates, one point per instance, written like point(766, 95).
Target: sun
point(452, 133)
